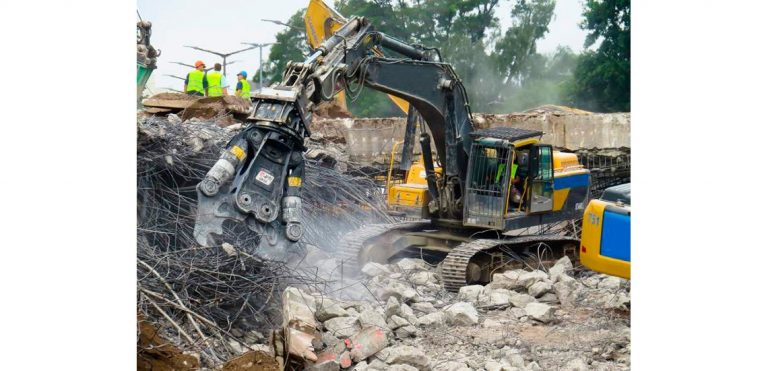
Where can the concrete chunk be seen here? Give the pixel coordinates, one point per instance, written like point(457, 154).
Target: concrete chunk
point(462, 313)
point(327, 309)
point(298, 310)
point(404, 355)
point(375, 269)
point(541, 312)
point(529, 278)
point(393, 307)
point(521, 300)
point(470, 293)
point(539, 288)
point(424, 307)
point(432, 319)
point(506, 280)
point(366, 343)
point(412, 265)
point(342, 327)
point(372, 318)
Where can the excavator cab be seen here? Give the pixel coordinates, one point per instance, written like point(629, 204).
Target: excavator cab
point(514, 181)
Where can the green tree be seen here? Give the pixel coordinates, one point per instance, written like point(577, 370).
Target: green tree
point(290, 45)
point(601, 80)
point(494, 64)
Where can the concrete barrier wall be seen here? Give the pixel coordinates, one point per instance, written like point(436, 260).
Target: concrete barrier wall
point(371, 139)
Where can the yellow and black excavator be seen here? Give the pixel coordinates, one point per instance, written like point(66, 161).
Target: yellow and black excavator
point(491, 199)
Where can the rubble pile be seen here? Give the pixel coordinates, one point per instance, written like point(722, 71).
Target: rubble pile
point(561, 318)
point(211, 306)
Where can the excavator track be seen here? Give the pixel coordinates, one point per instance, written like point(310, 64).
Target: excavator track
point(351, 244)
point(455, 264)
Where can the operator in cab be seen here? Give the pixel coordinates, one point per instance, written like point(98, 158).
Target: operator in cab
point(196, 82)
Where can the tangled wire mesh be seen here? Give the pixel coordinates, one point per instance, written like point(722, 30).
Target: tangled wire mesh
point(208, 299)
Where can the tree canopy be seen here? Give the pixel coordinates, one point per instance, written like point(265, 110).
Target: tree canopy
point(601, 80)
point(500, 67)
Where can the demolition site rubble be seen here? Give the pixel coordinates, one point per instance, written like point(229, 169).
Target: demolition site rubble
point(234, 307)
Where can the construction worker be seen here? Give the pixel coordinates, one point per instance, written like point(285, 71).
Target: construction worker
point(196, 82)
point(243, 87)
point(217, 82)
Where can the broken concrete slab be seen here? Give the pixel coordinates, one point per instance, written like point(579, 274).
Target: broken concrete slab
point(393, 307)
point(409, 265)
point(432, 319)
point(537, 289)
point(406, 332)
point(422, 278)
point(540, 312)
point(529, 278)
point(521, 300)
point(366, 343)
point(397, 289)
point(404, 355)
point(369, 318)
point(470, 293)
point(327, 309)
point(342, 327)
point(506, 280)
point(375, 269)
point(424, 307)
point(461, 313)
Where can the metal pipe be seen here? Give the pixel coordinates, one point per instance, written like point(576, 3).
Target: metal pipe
point(401, 47)
point(348, 29)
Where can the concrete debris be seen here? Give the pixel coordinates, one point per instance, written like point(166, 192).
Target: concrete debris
point(461, 313)
point(507, 280)
point(493, 366)
point(396, 322)
point(393, 307)
point(327, 309)
point(406, 332)
point(521, 300)
point(432, 319)
point(229, 249)
point(422, 278)
point(412, 265)
point(470, 293)
point(370, 318)
point(404, 355)
point(174, 119)
point(499, 298)
point(577, 364)
point(490, 323)
point(541, 312)
point(567, 291)
point(366, 343)
point(342, 327)
point(424, 307)
point(539, 288)
point(451, 366)
point(561, 267)
point(529, 278)
point(375, 269)
point(433, 329)
point(396, 289)
point(610, 283)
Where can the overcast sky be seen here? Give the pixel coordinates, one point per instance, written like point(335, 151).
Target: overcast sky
point(222, 25)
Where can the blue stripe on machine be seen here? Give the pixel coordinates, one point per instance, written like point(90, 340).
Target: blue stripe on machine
point(579, 180)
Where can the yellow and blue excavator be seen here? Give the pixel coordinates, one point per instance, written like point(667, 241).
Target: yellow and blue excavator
point(605, 233)
point(490, 199)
